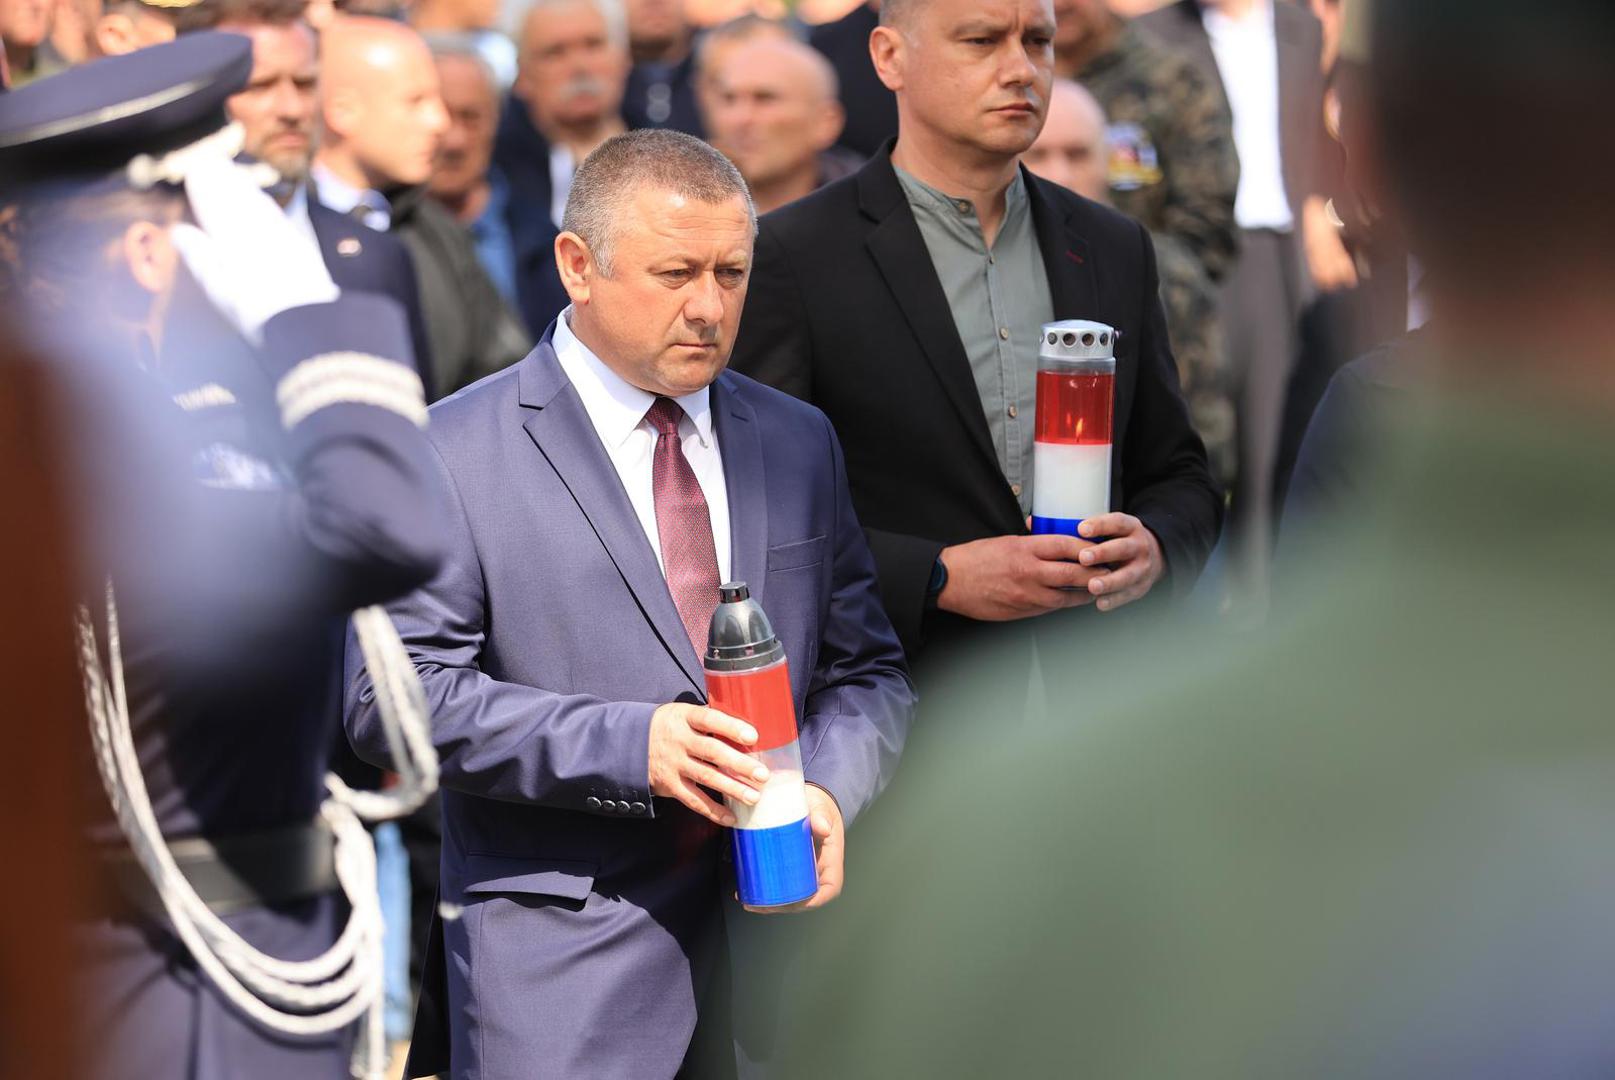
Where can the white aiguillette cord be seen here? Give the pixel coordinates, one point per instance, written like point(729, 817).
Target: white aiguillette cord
point(307, 997)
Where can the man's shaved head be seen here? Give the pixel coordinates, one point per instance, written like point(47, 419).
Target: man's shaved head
point(774, 112)
point(359, 48)
point(382, 112)
point(798, 63)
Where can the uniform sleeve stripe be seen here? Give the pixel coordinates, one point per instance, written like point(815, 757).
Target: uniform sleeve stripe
point(354, 378)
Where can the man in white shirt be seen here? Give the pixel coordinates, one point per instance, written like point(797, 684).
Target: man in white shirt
point(1267, 56)
point(603, 488)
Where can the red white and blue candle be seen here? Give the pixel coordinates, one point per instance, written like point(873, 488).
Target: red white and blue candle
point(747, 678)
point(1071, 441)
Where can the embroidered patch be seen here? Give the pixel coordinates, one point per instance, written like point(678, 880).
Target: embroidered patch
point(1133, 161)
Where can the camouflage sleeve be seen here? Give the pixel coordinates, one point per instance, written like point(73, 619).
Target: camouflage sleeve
point(1203, 174)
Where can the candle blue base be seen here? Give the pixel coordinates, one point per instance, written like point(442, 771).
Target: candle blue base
point(1042, 526)
point(775, 866)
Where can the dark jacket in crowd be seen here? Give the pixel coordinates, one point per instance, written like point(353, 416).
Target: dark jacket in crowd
point(472, 332)
point(361, 259)
point(871, 108)
point(846, 311)
point(523, 155)
point(663, 96)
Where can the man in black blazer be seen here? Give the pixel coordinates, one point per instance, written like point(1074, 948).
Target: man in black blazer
point(850, 310)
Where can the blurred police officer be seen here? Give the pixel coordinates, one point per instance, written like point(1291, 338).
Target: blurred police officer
point(243, 500)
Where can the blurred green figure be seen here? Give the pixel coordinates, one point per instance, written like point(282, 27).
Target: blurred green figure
point(1379, 841)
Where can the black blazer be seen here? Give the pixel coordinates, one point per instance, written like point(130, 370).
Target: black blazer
point(845, 310)
point(871, 108)
point(361, 259)
point(523, 156)
point(1299, 38)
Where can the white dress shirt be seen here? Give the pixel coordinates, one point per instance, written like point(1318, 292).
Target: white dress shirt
point(1248, 61)
point(339, 195)
point(617, 410)
point(562, 168)
point(297, 213)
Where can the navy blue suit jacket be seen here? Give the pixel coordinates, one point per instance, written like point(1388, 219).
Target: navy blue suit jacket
point(361, 259)
point(523, 155)
point(545, 645)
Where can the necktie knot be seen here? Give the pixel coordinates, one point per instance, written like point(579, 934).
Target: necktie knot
point(664, 416)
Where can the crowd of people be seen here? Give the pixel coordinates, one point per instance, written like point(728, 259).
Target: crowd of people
point(440, 362)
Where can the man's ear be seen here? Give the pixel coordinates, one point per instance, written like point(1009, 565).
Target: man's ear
point(576, 264)
point(150, 256)
point(341, 111)
point(115, 34)
point(827, 126)
point(888, 51)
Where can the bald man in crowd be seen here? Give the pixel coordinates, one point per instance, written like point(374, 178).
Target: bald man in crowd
point(382, 119)
point(776, 116)
point(1071, 150)
point(715, 47)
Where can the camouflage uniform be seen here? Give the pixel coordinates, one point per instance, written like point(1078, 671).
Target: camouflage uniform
point(1173, 167)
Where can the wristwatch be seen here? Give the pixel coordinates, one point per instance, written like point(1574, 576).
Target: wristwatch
point(938, 582)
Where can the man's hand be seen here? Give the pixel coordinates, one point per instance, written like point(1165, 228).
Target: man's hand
point(1330, 264)
point(1132, 555)
point(830, 846)
point(688, 753)
point(1015, 577)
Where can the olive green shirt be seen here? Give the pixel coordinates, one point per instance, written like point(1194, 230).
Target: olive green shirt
point(999, 298)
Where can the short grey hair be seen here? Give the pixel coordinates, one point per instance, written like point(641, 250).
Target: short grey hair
point(613, 11)
point(743, 28)
point(897, 12)
point(650, 157)
point(463, 46)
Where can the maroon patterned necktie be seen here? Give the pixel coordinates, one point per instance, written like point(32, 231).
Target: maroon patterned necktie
point(683, 526)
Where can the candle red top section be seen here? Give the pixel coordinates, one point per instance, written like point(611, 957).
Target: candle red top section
point(762, 698)
point(1074, 408)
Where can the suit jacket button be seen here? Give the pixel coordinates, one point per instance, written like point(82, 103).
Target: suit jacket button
point(608, 806)
point(638, 808)
point(592, 803)
point(622, 807)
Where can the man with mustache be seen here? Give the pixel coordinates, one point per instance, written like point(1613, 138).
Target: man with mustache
point(382, 118)
point(572, 71)
point(603, 488)
point(906, 302)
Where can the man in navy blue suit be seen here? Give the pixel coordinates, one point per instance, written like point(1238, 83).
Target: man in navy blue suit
point(602, 488)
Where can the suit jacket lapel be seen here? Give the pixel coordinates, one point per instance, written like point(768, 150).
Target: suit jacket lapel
point(560, 427)
point(900, 252)
point(741, 444)
point(1066, 258)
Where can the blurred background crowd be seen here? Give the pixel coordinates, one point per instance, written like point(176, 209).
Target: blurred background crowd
point(430, 148)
